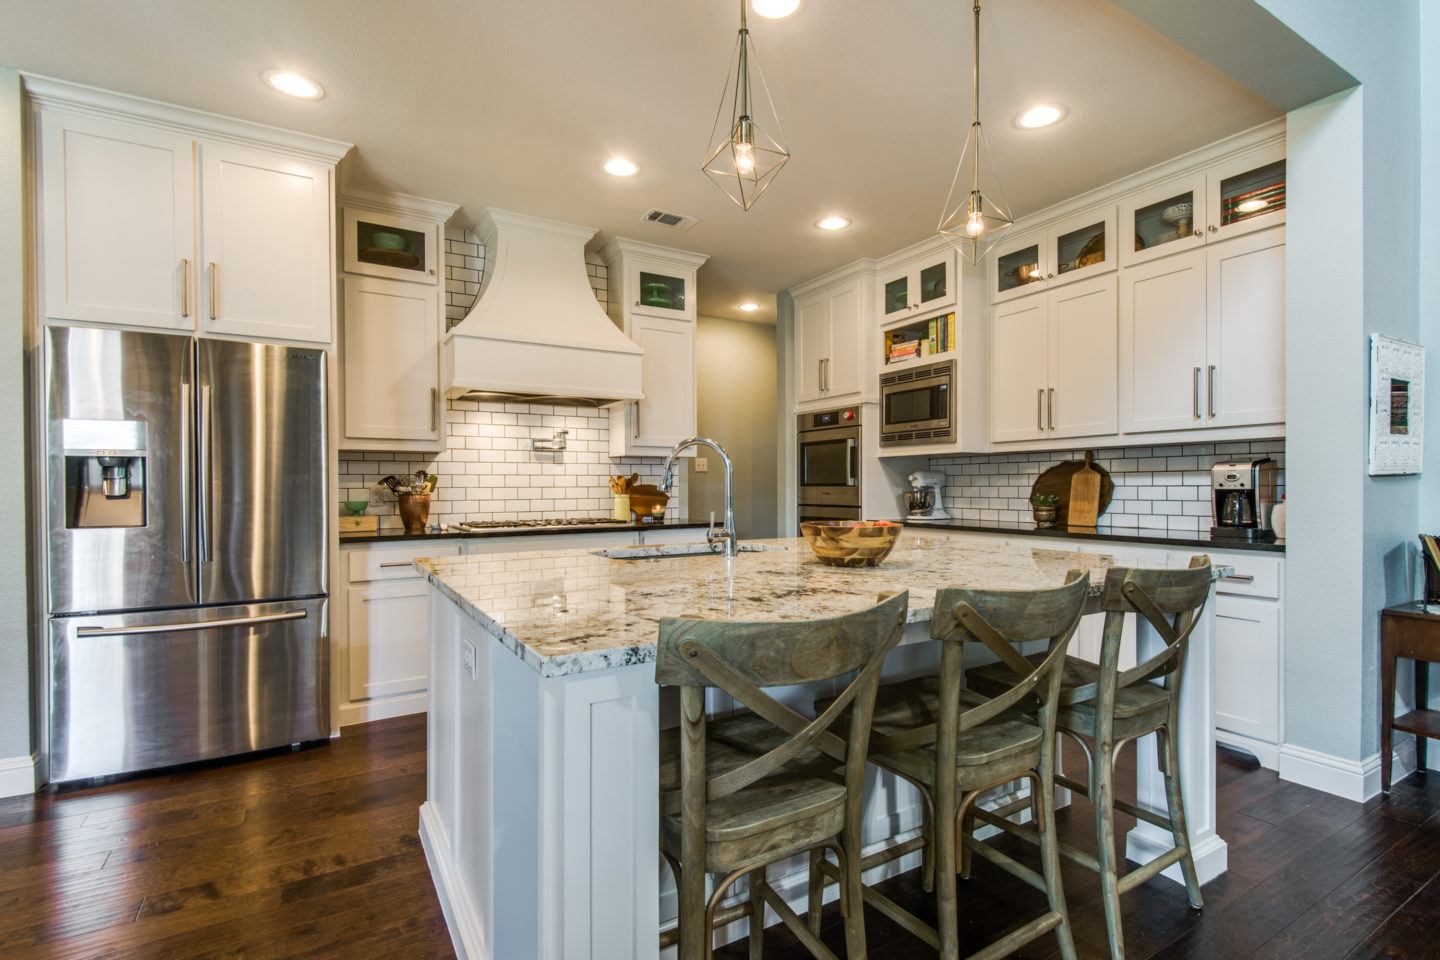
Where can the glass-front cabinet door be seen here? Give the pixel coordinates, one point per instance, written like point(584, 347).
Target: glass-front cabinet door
point(1247, 193)
point(1017, 264)
point(393, 247)
point(661, 291)
point(1082, 246)
point(923, 285)
point(1167, 218)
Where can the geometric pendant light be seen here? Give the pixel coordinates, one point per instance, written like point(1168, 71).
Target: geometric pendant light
point(975, 215)
point(742, 157)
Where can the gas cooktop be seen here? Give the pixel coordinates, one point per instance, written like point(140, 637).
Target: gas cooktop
point(512, 524)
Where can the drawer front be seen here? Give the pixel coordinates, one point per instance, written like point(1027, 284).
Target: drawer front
point(1252, 577)
point(393, 563)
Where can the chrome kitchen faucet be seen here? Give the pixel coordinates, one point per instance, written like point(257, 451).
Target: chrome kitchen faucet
point(668, 481)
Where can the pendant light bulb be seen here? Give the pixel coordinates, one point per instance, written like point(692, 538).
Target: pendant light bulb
point(745, 159)
point(975, 224)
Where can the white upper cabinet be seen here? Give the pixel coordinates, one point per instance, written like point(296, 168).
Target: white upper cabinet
point(652, 299)
point(151, 215)
point(1162, 344)
point(390, 349)
point(117, 217)
point(1245, 314)
point(831, 337)
point(1075, 248)
point(922, 285)
point(1246, 193)
point(1202, 337)
point(1053, 364)
point(1164, 219)
point(265, 245)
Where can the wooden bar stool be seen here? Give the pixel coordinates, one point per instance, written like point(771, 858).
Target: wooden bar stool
point(1104, 708)
point(740, 793)
point(954, 746)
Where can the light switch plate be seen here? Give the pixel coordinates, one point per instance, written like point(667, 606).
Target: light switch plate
point(702, 465)
point(467, 657)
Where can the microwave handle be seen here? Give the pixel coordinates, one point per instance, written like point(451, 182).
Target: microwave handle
point(849, 463)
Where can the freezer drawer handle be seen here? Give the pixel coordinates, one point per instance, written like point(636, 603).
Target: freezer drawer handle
point(189, 627)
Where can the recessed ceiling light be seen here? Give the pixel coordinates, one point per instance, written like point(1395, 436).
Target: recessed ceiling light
point(774, 9)
point(750, 307)
point(294, 84)
point(1040, 115)
point(620, 167)
point(1250, 206)
point(834, 223)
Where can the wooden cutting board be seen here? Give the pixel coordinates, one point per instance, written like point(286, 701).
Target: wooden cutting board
point(1056, 481)
point(1084, 494)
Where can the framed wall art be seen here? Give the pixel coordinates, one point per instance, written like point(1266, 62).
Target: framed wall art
point(1397, 406)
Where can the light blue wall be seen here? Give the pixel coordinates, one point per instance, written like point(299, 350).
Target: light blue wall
point(14, 635)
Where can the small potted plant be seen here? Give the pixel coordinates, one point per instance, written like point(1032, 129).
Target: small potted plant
point(1043, 507)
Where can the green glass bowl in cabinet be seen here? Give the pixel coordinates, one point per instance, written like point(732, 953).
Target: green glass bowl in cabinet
point(385, 240)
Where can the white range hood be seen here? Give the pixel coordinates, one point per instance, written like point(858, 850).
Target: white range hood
point(536, 331)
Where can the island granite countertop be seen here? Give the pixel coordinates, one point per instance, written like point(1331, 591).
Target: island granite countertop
point(567, 612)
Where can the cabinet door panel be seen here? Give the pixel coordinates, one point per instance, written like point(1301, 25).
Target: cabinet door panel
point(118, 217)
point(1246, 304)
point(391, 360)
point(1162, 344)
point(842, 372)
point(1247, 667)
point(267, 233)
point(812, 341)
point(1083, 359)
point(388, 643)
point(667, 414)
point(1019, 361)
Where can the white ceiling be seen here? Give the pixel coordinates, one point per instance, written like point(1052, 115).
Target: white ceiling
point(515, 104)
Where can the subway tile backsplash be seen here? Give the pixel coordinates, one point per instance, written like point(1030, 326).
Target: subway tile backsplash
point(488, 470)
point(1156, 488)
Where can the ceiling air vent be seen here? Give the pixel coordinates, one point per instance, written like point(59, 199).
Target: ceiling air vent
point(675, 220)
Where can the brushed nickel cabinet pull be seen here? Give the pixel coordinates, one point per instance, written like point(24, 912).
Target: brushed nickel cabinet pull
point(1210, 390)
point(214, 296)
point(1050, 408)
point(1240, 578)
point(434, 408)
point(184, 287)
point(1195, 393)
point(1040, 409)
point(397, 563)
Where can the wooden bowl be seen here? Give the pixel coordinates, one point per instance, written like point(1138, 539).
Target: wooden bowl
point(851, 543)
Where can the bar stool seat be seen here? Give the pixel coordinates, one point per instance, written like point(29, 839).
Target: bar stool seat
point(1138, 709)
point(791, 808)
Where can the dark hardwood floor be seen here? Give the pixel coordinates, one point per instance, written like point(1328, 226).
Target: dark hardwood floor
point(315, 854)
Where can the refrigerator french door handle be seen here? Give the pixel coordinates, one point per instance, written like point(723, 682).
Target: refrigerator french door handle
point(191, 627)
point(202, 457)
point(186, 465)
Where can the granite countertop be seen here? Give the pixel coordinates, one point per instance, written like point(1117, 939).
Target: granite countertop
point(1190, 538)
point(570, 611)
point(399, 536)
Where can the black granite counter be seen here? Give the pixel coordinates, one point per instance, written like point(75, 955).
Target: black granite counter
point(1106, 534)
point(397, 536)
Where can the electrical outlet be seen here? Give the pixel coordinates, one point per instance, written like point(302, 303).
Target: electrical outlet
point(377, 497)
point(702, 465)
point(467, 657)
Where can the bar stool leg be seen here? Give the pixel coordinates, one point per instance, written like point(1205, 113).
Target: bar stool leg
point(946, 911)
point(852, 893)
point(1178, 828)
point(1050, 862)
point(817, 891)
point(1102, 795)
point(927, 852)
point(757, 914)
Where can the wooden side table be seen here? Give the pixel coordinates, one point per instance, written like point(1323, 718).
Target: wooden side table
point(1407, 631)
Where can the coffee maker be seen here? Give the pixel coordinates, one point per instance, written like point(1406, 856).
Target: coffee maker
point(923, 498)
point(1242, 494)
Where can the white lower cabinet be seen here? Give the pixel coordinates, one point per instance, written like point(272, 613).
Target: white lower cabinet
point(1250, 657)
point(383, 656)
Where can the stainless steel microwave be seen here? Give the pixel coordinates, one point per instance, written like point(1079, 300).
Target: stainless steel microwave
point(917, 405)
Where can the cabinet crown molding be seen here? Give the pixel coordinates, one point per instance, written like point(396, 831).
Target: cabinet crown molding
point(50, 92)
point(864, 268)
point(623, 246)
point(398, 204)
point(927, 247)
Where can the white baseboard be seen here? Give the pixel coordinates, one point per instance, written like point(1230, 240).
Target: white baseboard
point(1267, 753)
point(466, 934)
point(17, 776)
point(1357, 780)
point(368, 711)
point(1211, 855)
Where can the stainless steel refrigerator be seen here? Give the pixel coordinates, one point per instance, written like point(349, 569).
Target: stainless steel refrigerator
point(187, 554)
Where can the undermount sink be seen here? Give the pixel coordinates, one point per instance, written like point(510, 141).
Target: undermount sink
point(699, 548)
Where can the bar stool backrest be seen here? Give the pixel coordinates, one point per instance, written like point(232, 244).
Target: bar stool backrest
point(742, 657)
point(1171, 601)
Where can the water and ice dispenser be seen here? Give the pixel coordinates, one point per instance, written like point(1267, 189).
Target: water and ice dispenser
point(104, 473)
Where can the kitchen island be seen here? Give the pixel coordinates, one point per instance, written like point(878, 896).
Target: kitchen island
point(541, 819)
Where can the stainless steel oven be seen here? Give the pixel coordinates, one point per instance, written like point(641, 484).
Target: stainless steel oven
point(917, 405)
point(828, 445)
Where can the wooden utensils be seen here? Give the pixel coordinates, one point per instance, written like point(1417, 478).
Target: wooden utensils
point(1056, 481)
point(1084, 494)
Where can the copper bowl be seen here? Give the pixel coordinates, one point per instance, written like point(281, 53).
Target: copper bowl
point(851, 543)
